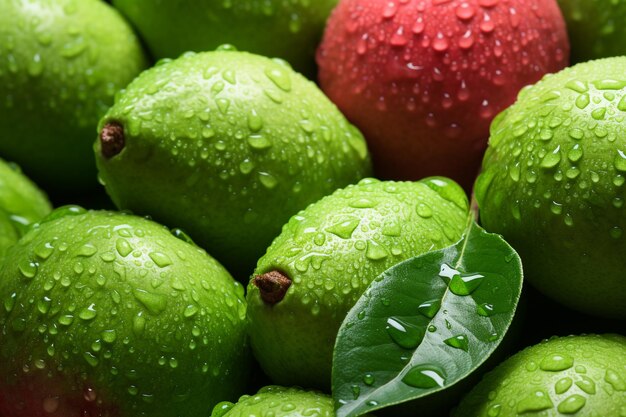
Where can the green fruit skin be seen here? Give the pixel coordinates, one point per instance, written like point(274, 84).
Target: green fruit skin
point(20, 197)
point(110, 314)
point(280, 402)
point(228, 145)
point(21, 204)
point(553, 185)
point(595, 28)
point(276, 28)
point(574, 375)
point(332, 251)
point(62, 62)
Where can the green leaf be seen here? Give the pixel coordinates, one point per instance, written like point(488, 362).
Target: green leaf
point(426, 324)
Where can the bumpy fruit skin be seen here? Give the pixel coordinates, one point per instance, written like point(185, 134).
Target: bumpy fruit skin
point(553, 185)
point(595, 28)
point(332, 251)
point(110, 315)
point(20, 197)
point(573, 375)
point(228, 145)
point(279, 402)
point(288, 29)
point(423, 79)
point(62, 62)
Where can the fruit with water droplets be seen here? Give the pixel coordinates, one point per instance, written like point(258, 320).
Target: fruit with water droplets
point(278, 401)
point(595, 28)
point(21, 204)
point(553, 185)
point(328, 254)
point(107, 314)
point(573, 375)
point(62, 62)
point(226, 145)
point(276, 28)
point(423, 79)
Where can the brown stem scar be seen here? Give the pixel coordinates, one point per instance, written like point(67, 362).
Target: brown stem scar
point(273, 286)
point(112, 139)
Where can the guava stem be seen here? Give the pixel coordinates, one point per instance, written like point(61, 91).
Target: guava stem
point(273, 286)
point(112, 139)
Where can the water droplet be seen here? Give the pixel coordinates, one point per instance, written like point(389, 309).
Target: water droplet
point(369, 379)
point(154, 303)
point(268, 180)
point(344, 229)
point(552, 159)
point(375, 251)
point(356, 391)
point(44, 250)
point(9, 302)
point(406, 335)
point(465, 284)
point(259, 142)
point(620, 161)
point(424, 211)
point(571, 404)
point(556, 362)
point(123, 247)
point(160, 259)
point(362, 203)
point(537, 401)
point(494, 410)
point(616, 380)
point(586, 384)
point(563, 385)
point(255, 122)
point(424, 376)
point(191, 310)
point(28, 269)
point(86, 250)
point(429, 308)
point(279, 77)
point(91, 359)
point(458, 342)
point(88, 313)
point(109, 336)
point(485, 309)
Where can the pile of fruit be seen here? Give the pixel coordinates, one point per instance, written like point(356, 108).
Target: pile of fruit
point(288, 208)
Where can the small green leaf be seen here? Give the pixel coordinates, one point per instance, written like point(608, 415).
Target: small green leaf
point(426, 323)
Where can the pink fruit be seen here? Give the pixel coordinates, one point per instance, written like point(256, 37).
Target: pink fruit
point(423, 79)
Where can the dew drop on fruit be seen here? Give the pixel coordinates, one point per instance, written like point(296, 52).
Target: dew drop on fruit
point(494, 410)
point(572, 404)
point(563, 385)
point(620, 161)
point(615, 380)
point(537, 401)
point(556, 362)
point(376, 251)
point(587, 385)
point(424, 376)
point(9, 302)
